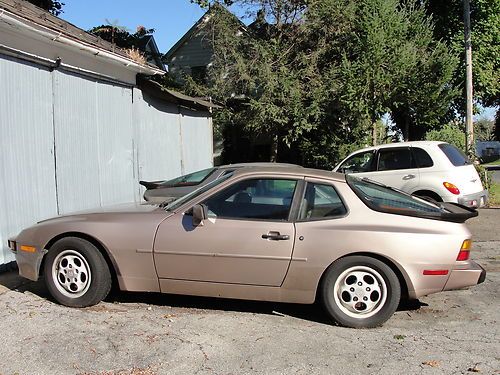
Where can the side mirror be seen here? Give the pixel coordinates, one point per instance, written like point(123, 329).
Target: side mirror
point(199, 214)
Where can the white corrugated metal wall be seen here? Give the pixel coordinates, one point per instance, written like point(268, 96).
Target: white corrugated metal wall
point(195, 133)
point(106, 137)
point(27, 182)
point(159, 138)
point(94, 144)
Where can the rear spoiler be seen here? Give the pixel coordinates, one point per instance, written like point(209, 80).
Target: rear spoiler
point(457, 213)
point(150, 184)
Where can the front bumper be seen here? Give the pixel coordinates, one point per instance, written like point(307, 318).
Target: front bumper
point(475, 200)
point(461, 278)
point(28, 259)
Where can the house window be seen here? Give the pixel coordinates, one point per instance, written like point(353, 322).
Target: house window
point(199, 73)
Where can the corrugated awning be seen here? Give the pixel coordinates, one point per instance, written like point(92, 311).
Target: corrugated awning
point(160, 92)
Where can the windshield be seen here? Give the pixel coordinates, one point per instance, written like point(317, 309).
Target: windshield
point(180, 201)
point(385, 199)
point(189, 179)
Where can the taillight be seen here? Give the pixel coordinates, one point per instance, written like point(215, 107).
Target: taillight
point(451, 188)
point(464, 250)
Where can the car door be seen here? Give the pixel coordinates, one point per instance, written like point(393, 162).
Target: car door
point(247, 238)
point(396, 167)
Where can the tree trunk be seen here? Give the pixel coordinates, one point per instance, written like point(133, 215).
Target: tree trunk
point(374, 133)
point(406, 134)
point(274, 149)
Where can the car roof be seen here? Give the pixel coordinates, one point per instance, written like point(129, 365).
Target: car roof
point(257, 164)
point(400, 144)
point(291, 170)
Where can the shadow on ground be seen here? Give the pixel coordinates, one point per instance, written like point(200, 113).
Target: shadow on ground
point(313, 313)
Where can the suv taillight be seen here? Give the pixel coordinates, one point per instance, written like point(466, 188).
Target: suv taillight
point(451, 188)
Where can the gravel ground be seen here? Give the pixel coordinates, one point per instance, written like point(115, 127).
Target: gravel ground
point(453, 332)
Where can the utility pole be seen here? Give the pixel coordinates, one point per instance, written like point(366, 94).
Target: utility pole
point(469, 126)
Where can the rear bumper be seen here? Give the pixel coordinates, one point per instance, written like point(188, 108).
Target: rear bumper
point(461, 278)
point(475, 200)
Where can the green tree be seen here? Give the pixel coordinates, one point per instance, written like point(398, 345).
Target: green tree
point(53, 6)
point(389, 62)
point(120, 35)
point(484, 130)
point(485, 33)
point(316, 76)
point(451, 133)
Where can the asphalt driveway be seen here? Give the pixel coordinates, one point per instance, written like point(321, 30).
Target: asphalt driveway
point(136, 333)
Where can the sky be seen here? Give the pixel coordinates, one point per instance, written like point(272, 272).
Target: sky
point(170, 18)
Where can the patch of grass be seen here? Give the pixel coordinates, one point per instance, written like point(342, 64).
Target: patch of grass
point(494, 192)
point(496, 162)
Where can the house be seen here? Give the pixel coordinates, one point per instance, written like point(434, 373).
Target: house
point(81, 123)
point(192, 55)
point(193, 52)
point(147, 45)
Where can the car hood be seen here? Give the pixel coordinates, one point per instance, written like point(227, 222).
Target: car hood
point(123, 208)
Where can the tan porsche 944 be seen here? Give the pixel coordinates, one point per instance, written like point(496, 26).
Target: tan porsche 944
point(273, 234)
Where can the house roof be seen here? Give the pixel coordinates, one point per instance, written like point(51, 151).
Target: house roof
point(196, 27)
point(148, 41)
point(35, 15)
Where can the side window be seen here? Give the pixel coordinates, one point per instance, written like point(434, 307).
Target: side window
point(394, 158)
point(456, 156)
point(422, 158)
point(361, 162)
point(264, 199)
point(321, 202)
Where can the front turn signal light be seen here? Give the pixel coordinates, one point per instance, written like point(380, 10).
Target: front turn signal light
point(451, 188)
point(464, 250)
point(28, 249)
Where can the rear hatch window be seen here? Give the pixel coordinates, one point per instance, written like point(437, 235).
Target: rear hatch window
point(191, 179)
point(385, 199)
point(454, 155)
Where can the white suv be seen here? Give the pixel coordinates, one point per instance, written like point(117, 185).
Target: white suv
point(428, 169)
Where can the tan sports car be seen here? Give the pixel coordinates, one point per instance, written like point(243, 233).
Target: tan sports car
point(275, 234)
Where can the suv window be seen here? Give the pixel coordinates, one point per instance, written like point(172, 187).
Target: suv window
point(382, 198)
point(454, 155)
point(361, 162)
point(320, 202)
point(264, 199)
point(423, 159)
point(394, 158)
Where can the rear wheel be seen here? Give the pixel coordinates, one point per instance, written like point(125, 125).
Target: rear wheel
point(76, 273)
point(360, 292)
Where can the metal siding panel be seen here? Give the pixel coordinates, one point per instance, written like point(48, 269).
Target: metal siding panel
point(77, 151)
point(159, 150)
point(115, 129)
point(197, 139)
point(27, 189)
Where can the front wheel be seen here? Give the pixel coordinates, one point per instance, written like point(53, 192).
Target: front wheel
point(360, 292)
point(76, 273)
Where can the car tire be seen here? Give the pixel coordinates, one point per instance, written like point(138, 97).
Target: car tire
point(76, 273)
point(360, 292)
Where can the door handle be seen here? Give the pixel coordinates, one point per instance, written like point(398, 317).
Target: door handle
point(275, 236)
point(409, 177)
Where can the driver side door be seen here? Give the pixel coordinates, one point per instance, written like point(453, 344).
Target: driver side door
point(247, 238)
